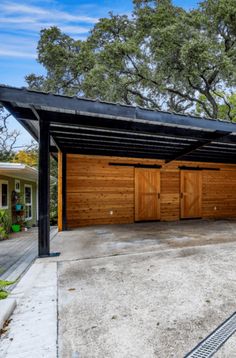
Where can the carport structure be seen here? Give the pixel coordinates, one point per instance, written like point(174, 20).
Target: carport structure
point(76, 128)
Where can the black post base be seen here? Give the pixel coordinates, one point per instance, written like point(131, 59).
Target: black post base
point(52, 254)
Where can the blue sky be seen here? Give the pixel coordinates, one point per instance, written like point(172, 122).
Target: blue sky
point(21, 21)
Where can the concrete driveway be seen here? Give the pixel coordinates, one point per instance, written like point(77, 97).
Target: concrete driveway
point(149, 290)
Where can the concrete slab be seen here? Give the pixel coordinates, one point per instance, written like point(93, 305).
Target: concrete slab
point(111, 240)
point(33, 329)
point(153, 305)
point(150, 290)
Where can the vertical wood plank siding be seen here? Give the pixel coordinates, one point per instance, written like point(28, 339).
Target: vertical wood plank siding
point(98, 193)
point(59, 199)
point(219, 194)
point(170, 199)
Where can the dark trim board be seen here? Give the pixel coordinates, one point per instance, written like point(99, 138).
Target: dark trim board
point(136, 165)
point(197, 168)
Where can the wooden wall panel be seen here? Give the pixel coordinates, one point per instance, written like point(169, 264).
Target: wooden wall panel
point(98, 193)
point(170, 188)
point(59, 198)
point(219, 194)
point(191, 194)
point(147, 194)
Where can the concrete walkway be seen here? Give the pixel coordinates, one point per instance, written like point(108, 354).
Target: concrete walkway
point(150, 290)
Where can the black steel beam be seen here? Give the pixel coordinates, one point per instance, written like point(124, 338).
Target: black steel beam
point(53, 149)
point(72, 132)
point(127, 125)
point(210, 159)
point(113, 153)
point(65, 129)
point(44, 190)
point(114, 145)
point(81, 136)
point(117, 148)
point(194, 147)
point(54, 156)
point(25, 124)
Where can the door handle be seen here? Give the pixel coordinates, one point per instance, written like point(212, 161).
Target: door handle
point(159, 195)
point(181, 195)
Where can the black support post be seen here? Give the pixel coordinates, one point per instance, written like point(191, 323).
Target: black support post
point(44, 190)
point(64, 223)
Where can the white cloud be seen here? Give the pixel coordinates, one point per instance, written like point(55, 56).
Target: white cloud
point(17, 46)
point(23, 22)
point(42, 13)
point(15, 53)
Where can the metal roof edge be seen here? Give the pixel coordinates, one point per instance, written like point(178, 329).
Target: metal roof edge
point(184, 115)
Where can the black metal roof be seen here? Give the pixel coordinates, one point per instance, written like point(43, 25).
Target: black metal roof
point(85, 126)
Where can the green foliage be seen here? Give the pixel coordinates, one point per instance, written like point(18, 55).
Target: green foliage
point(3, 292)
point(4, 224)
point(161, 57)
point(226, 105)
point(3, 295)
point(28, 157)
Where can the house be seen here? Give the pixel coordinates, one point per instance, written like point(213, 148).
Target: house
point(125, 164)
point(18, 186)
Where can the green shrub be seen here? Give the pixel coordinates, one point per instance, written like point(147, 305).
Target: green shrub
point(4, 224)
point(3, 292)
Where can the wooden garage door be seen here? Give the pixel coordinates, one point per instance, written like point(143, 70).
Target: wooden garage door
point(147, 194)
point(191, 194)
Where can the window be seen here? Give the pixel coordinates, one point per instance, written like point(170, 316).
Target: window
point(17, 185)
point(3, 194)
point(28, 202)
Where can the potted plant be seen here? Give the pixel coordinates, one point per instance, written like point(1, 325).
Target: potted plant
point(19, 200)
point(16, 227)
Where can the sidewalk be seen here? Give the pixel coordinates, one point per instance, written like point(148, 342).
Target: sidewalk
point(33, 328)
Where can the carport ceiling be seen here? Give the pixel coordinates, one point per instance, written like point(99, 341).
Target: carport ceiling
point(85, 126)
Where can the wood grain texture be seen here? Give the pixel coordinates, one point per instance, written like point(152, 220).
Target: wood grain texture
point(147, 194)
point(59, 199)
point(191, 194)
point(98, 193)
point(170, 198)
point(219, 194)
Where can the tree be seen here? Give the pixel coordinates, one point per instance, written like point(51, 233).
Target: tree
point(163, 57)
point(9, 138)
point(29, 157)
point(226, 105)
